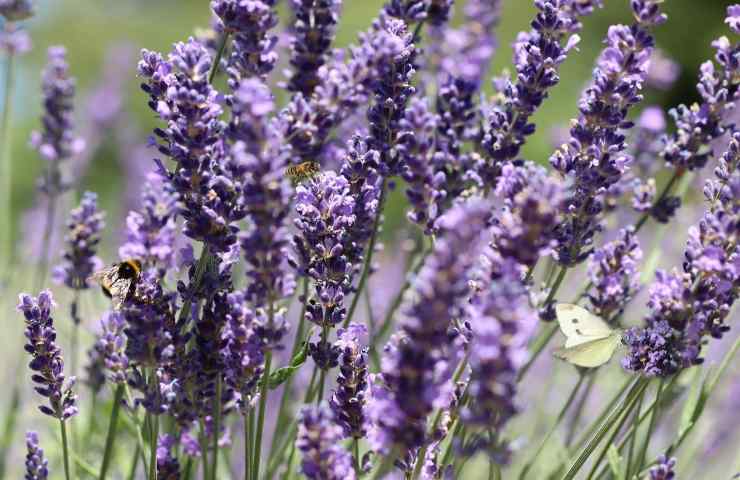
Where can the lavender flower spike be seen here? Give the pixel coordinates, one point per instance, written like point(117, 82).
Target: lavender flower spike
point(56, 142)
point(502, 322)
point(46, 357)
point(111, 346)
point(348, 400)
point(414, 379)
point(84, 227)
point(168, 467)
point(315, 24)
point(538, 55)
point(615, 274)
point(16, 10)
point(324, 458)
point(594, 156)
point(664, 470)
point(37, 467)
point(689, 306)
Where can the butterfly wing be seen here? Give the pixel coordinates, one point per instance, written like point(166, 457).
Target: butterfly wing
point(592, 353)
point(579, 325)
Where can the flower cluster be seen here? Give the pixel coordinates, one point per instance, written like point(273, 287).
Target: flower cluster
point(537, 56)
point(57, 142)
point(350, 396)
point(46, 357)
point(318, 441)
point(686, 307)
point(594, 157)
point(168, 467)
point(614, 273)
point(151, 231)
point(249, 21)
point(416, 373)
point(664, 470)
point(111, 346)
point(37, 467)
point(502, 322)
point(315, 24)
point(80, 261)
point(15, 10)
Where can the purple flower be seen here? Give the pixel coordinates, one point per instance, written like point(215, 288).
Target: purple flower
point(408, 11)
point(323, 457)
point(538, 55)
point(16, 10)
point(696, 126)
point(663, 71)
point(416, 367)
point(524, 229)
point(348, 400)
point(80, 260)
point(249, 21)
point(733, 18)
point(244, 350)
point(261, 153)
point(594, 156)
point(425, 190)
point(56, 142)
point(615, 274)
point(111, 346)
point(151, 231)
point(392, 91)
point(37, 467)
point(360, 167)
point(314, 28)
point(325, 217)
point(687, 307)
point(664, 469)
point(502, 322)
point(465, 52)
point(168, 467)
point(46, 356)
point(187, 103)
point(14, 40)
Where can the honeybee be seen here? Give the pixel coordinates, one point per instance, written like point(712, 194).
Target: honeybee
point(118, 281)
point(302, 171)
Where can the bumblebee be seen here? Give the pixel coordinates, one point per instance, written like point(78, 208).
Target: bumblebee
point(302, 171)
point(118, 281)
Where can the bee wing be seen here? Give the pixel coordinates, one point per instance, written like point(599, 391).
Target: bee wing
point(119, 291)
point(104, 277)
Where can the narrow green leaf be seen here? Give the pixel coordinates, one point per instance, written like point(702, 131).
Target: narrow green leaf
point(615, 461)
point(281, 375)
point(689, 407)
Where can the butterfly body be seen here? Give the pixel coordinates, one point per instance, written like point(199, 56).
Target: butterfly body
point(118, 281)
point(590, 341)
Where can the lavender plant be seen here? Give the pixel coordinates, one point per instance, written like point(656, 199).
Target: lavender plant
point(210, 331)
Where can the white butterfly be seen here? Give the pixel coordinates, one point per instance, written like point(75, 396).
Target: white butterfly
point(590, 341)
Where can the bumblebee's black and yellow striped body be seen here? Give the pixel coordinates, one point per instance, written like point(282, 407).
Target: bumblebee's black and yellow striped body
point(302, 171)
point(118, 281)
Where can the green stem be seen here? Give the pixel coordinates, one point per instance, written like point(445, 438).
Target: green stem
point(249, 444)
point(134, 463)
point(261, 416)
point(217, 60)
point(538, 346)
point(609, 406)
point(637, 387)
point(9, 425)
point(216, 426)
point(651, 426)
point(65, 449)
point(367, 265)
point(633, 437)
point(203, 441)
point(356, 454)
point(112, 427)
point(153, 434)
point(554, 427)
point(620, 423)
point(573, 424)
point(283, 415)
point(6, 241)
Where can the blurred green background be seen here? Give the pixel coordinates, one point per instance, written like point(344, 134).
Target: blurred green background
point(100, 32)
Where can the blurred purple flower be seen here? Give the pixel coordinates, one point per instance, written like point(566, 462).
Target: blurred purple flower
point(349, 398)
point(46, 357)
point(313, 34)
point(16, 10)
point(168, 467)
point(323, 457)
point(80, 260)
point(664, 470)
point(14, 40)
point(663, 71)
point(37, 467)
